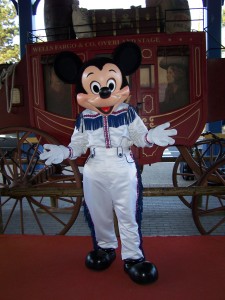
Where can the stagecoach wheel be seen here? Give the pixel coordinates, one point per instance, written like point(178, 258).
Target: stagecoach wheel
point(209, 210)
point(193, 162)
point(183, 176)
point(20, 166)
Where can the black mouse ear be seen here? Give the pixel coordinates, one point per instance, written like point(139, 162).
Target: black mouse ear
point(127, 57)
point(67, 66)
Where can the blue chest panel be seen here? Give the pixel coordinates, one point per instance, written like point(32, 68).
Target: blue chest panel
point(96, 121)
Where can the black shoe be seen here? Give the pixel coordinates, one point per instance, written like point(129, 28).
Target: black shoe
point(100, 259)
point(141, 271)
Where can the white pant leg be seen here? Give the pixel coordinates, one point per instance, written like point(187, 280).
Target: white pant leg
point(111, 182)
point(125, 205)
point(99, 202)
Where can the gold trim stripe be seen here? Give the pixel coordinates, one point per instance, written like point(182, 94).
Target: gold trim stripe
point(55, 128)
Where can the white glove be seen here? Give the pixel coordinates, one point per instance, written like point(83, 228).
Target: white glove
point(160, 136)
point(54, 154)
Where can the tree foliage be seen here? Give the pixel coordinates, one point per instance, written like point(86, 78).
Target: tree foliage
point(9, 49)
point(223, 16)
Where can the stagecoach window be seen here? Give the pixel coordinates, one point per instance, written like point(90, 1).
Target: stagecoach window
point(147, 76)
point(173, 78)
point(57, 95)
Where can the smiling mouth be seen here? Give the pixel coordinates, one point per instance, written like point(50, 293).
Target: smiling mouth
point(105, 110)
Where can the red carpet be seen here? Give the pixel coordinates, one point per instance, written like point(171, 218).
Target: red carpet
point(52, 268)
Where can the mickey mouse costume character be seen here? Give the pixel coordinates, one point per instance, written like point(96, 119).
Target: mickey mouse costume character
point(109, 127)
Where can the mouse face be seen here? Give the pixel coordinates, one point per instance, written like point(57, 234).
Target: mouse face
point(103, 89)
point(101, 83)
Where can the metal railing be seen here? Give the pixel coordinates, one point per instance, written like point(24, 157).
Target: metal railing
point(153, 25)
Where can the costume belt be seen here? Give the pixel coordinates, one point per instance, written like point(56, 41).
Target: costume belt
point(109, 152)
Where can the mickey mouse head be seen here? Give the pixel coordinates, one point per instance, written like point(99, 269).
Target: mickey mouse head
point(101, 83)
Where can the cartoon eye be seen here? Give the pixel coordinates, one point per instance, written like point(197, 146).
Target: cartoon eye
point(95, 87)
point(111, 84)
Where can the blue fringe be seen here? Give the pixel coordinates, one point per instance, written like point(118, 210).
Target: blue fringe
point(90, 225)
point(93, 123)
point(139, 205)
point(123, 118)
point(79, 121)
point(115, 120)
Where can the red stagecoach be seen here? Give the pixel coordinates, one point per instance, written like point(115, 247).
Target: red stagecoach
point(50, 105)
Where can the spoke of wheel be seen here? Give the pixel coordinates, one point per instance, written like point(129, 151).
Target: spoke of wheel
point(26, 138)
point(15, 165)
point(7, 164)
point(36, 217)
point(41, 199)
point(185, 174)
point(23, 137)
point(4, 202)
point(20, 140)
point(211, 211)
point(68, 170)
point(38, 175)
point(10, 179)
point(216, 226)
point(3, 185)
point(10, 216)
point(32, 157)
point(221, 177)
point(35, 202)
point(221, 201)
point(70, 201)
point(207, 202)
point(19, 151)
point(21, 217)
point(29, 165)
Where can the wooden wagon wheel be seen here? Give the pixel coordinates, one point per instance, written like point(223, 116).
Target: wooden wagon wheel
point(20, 166)
point(209, 210)
point(193, 162)
point(183, 176)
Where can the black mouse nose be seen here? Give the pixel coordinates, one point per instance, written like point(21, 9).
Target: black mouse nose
point(105, 92)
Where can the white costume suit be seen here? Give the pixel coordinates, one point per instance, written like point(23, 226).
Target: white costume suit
point(110, 180)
